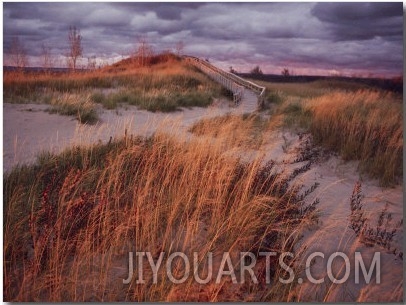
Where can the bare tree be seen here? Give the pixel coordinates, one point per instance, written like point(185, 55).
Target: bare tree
point(18, 54)
point(144, 51)
point(285, 72)
point(47, 61)
point(75, 47)
point(179, 48)
point(257, 70)
point(91, 62)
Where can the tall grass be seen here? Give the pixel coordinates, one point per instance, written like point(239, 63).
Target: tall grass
point(358, 123)
point(71, 219)
point(245, 131)
point(363, 125)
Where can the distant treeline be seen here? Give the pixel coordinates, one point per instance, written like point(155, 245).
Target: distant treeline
point(393, 84)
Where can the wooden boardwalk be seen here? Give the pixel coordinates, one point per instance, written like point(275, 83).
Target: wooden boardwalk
point(247, 96)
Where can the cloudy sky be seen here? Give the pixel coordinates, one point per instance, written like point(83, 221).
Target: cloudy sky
point(307, 38)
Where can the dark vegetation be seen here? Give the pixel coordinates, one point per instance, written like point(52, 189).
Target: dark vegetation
point(389, 84)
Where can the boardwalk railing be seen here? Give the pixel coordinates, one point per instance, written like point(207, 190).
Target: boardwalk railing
point(230, 81)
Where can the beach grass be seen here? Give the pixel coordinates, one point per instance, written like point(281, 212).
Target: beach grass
point(359, 124)
point(70, 221)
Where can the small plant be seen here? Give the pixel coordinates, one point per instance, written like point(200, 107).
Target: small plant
point(308, 151)
point(382, 234)
point(98, 97)
point(357, 216)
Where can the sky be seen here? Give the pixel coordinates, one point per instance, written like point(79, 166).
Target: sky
point(325, 38)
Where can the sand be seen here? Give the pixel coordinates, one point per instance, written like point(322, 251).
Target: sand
point(28, 130)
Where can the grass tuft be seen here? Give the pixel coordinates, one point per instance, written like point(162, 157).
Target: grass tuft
point(79, 106)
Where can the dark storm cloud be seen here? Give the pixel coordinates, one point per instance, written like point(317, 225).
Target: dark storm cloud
point(341, 12)
point(361, 21)
point(322, 36)
point(166, 11)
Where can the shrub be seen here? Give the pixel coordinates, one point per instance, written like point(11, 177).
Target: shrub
point(275, 97)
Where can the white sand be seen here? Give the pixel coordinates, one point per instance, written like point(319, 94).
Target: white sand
point(28, 130)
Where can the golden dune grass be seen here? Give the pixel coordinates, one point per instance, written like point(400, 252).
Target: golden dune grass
point(363, 125)
point(244, 131)
point(71, 220)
